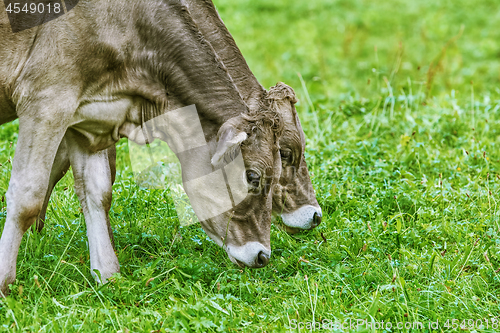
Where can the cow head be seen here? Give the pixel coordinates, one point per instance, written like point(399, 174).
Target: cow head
point(293, 197)
point(247, 165)
point(228, 177)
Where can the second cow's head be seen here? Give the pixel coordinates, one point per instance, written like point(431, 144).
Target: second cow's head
point(293, 197)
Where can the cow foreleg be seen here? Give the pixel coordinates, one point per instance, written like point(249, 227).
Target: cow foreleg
point(94, 174)
point(59, 168)
point(39, 139)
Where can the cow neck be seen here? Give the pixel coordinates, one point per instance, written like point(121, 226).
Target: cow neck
point(189, 67)
point(214, 30)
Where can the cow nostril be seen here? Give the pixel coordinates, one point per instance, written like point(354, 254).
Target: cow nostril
point(316, 220)
point(262, 260)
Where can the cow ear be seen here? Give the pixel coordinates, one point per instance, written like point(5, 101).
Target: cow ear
point(229, 141)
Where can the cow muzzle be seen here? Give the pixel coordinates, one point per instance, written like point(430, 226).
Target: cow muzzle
point(252, 255)
point(306, 217)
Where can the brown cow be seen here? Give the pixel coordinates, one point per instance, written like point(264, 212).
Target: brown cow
point(104, 70)
point(293, 197)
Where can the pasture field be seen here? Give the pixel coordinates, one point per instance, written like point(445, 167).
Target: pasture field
point(400, 102)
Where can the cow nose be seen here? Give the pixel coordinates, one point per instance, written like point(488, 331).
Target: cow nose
point(262, 260)
point(316, 220)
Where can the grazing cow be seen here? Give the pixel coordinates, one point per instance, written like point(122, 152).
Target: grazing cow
point(293, 196)
point(81, 81)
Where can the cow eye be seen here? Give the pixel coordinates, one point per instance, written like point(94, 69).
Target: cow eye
point(253, 178)
point(286, 155)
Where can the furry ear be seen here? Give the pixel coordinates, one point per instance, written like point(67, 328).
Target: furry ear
point(230, 139)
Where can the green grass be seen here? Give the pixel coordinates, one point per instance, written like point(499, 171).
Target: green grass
point(401, 108)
